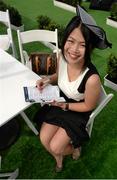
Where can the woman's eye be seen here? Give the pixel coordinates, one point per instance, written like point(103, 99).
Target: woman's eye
point(70, 41)
point(82, 45)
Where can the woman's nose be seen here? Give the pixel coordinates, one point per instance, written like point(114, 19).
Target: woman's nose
point(76, 47)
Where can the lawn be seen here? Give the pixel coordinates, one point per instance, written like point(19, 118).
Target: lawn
point(99, 156)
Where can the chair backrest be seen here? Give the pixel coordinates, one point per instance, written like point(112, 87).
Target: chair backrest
point(8, 38)
point(47, 37)
point(103, 101)
point(4, 42)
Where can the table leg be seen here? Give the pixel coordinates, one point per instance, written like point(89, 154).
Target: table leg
point(29, 123)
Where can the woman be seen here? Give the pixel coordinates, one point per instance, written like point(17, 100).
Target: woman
point(63, 129)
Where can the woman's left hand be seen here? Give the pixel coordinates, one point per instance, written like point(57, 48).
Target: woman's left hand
point(62, 105)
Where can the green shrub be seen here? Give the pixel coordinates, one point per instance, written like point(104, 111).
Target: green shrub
point(3, 6)
point(52, 26)
point(44, 22)
point(112, 66)
point(113, 11)
point(15, 16)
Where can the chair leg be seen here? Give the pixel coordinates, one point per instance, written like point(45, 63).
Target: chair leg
point(10, 175)
point(0, 162)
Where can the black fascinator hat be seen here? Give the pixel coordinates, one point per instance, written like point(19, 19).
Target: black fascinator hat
point(90, 23)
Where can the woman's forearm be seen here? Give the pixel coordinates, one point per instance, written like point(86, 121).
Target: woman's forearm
point(53, 79)
point(80, 107)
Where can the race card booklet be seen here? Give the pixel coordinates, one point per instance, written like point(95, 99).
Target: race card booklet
point(47, 95)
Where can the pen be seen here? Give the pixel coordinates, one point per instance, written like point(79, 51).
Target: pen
point(44, 83)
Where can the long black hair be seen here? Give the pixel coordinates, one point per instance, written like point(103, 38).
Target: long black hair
point(89, 37)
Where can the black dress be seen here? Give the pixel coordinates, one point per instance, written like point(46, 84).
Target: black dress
point(73, 122)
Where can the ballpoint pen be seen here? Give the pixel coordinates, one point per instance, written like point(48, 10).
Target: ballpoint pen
point(43, 83)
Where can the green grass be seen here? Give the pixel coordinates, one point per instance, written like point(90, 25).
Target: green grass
point(99, 158)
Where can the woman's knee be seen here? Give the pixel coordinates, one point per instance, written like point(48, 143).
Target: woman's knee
point(47, 132)
point(55, 148)
point(43, 138)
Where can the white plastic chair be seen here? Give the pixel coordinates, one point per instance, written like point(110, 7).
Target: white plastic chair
point(7, 40)
point(46, 37)
point(10, 175)
point(103, 101)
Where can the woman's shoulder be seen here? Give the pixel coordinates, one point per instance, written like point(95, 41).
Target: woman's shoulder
point(93, 79)
point(92, 69)
point(91, 76)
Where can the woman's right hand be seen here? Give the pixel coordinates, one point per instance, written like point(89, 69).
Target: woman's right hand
point(42, 83)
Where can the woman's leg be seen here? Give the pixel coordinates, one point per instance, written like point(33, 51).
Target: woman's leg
point(46, 134)
point(60, 145)
point(53, 137)
point(56, 141)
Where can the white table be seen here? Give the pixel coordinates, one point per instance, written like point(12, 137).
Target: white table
point(13, 76)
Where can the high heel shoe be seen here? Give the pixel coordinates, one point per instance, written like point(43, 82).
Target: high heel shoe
point(76, 153)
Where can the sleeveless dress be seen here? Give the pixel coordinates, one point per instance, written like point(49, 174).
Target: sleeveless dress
point(73, 122)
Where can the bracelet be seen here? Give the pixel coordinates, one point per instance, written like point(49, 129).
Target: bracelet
point(66, 106)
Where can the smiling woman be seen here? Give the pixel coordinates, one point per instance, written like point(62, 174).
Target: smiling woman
point(63, 129)
point(75, 48)
point(28, 154)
